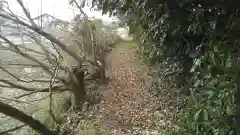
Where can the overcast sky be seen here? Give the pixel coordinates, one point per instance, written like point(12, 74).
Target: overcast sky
point(58, 8)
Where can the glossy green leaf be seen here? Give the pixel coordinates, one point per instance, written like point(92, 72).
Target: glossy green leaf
point(197, 115)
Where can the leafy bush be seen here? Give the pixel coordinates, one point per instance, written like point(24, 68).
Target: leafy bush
point(198, 42)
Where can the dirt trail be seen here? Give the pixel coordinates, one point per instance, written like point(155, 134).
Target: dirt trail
point(128, 106)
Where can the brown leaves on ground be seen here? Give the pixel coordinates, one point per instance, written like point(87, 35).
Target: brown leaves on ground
point(128, 106)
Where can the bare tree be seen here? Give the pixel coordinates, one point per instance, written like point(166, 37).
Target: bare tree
point(47, 58)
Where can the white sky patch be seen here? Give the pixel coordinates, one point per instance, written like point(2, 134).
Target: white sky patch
point(58, 8)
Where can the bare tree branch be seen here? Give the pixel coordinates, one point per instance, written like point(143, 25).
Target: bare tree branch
point(79, 7)
point(54, 89)
point(27, 94)
point(17, 85)
point(31, 50)
point(27, 13)
point(45, 96)
point(18, 101)
point(21, 87)
point(21, 116)
point(14, 15)
point(46, 35)
point(18, 51)
point(62, 60)
point(13, 129)
point(47, 54)
point(5, 86)
point(24, 65)
point(21, 80)
point(50, 93)
point(5, 70)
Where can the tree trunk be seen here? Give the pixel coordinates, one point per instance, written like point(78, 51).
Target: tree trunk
point(103, 74)
point(93, 41)
point(103, 67)
point(21, 116)
point(78, 89)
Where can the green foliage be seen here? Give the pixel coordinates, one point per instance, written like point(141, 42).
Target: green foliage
point(198, 42)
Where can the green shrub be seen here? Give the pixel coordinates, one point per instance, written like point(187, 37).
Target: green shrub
point(198, 44)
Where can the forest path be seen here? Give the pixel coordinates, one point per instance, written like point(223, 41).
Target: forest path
point(128, 105)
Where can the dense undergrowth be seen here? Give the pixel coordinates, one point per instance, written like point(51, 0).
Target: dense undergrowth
point(197, 43)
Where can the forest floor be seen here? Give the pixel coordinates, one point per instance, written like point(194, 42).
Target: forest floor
point(128, 105)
